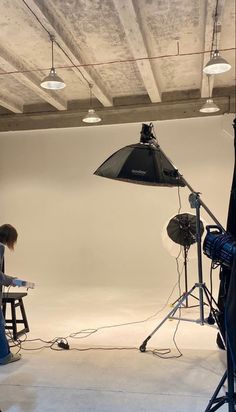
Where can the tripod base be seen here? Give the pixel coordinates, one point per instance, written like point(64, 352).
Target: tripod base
point(202, 290)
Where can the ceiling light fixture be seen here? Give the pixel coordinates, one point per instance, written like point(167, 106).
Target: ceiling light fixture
point(91, 116)
point(52, 81)
point(209, 106)
point(216, 64)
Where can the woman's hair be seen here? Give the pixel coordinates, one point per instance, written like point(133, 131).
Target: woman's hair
point(8, 235)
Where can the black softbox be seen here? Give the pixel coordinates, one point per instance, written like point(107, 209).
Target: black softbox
point(142, 164)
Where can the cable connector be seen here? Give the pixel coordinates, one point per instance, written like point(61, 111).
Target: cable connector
point(63, 345)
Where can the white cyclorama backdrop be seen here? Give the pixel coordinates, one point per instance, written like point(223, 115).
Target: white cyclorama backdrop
point(80, 233)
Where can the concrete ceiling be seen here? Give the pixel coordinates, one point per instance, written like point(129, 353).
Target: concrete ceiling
point(144, 59)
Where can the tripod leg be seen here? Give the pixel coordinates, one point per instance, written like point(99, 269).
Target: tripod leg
point(230, 395)
point(210, 298)
point(142, 348)
point(230, 377)
point(220, 402)
point(214, 396)
point(187, 306)
point(177, 300)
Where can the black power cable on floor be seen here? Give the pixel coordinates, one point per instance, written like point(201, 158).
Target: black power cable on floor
point(61, 343)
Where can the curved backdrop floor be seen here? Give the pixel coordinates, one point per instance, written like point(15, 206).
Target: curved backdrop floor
point(97, 374)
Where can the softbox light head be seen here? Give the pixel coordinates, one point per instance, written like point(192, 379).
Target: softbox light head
point(141, 163)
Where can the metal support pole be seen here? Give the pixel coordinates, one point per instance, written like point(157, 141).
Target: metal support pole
point(195, 202)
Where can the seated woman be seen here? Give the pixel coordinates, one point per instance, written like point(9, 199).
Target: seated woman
point(8, 237)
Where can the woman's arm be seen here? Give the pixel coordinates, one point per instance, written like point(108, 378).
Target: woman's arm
point(6, 280)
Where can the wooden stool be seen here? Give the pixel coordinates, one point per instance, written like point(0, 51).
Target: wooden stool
point(15, 300)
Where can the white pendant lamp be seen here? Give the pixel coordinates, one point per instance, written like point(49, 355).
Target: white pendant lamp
point(209, 106)
point(91, 116)
point(52, 81)
point(216, 64)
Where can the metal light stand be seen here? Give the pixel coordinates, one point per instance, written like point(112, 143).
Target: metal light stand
point(186, 305)
point(195, 202)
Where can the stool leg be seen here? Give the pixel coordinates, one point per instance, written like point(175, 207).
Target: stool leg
point(22, 308)
point(13, 314)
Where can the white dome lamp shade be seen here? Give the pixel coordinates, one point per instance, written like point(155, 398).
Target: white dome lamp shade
point(216, 64)
point(52, 81)
point(209, 105)
point(91, 116)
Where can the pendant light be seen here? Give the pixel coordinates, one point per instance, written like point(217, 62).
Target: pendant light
point(216, 64)
point(209, 106)
point(52, 81)
point(91, 116)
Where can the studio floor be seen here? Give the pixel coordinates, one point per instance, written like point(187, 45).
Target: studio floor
point(106, 372)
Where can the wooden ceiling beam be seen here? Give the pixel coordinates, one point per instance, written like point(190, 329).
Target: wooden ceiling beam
point(138, 45)
point(10, 103)
point(136, 113)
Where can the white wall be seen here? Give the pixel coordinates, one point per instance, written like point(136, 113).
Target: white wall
point(77, 228)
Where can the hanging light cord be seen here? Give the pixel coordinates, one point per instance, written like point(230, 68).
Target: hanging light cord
point(209, 89)
point(216, 26)
point(73, 64)
point(90, 95)
point(52, 38)
point(54, 41)
point(214, 34)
